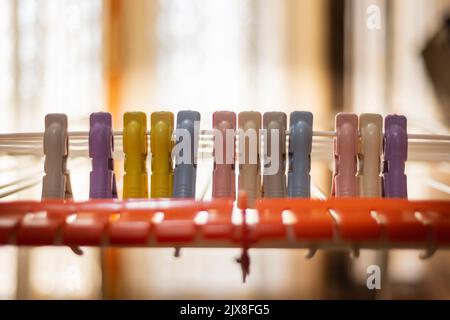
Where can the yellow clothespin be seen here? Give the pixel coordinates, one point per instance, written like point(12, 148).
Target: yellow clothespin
point(135, 181)
point(161, 147)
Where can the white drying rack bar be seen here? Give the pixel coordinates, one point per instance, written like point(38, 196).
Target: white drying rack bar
point(421, 147)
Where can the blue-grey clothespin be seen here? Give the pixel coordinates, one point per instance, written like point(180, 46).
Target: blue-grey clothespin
point(300, 145)
point(186, 159)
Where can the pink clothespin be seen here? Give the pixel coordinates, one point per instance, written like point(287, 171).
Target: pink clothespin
point(345, 183)
point(224, 185)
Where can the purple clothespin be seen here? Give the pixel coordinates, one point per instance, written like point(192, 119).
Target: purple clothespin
point(395, 156)
point(101, 147)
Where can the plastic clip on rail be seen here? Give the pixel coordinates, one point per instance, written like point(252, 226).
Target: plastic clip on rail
point(161, 150)
point(185, 172)
point(249, 162)
point(371, 149)
point(300, 147)
point(56, 182)
point(395, 156)
point(135, 180)
point(88, 226)
point(39, 228)
point(102, 183)
point(274, 183)
point(224, 185)
point(345, 183)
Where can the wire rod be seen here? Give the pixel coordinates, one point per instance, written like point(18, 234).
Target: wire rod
point(421, 147)
point(19, 188)
point(83, 135)
point(322, 151)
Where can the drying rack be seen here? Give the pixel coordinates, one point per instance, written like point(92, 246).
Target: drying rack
point(338, 224)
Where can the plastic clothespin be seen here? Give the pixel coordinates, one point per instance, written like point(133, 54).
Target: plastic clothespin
point(395, 156)
point(300, 146)
point(161, 148)
point(371, 149)
point(56, 182)
point(345, 183)
point(186, 159)
point(274, 179)
point(101, 147)
point(135, 180)
point(249, 155)
point(224, 185)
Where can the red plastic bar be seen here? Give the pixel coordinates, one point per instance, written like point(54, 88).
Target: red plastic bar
point(132, 223)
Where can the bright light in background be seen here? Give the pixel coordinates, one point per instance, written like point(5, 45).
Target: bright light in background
point(205, 54)
point(368, 58)
point(56, 64)
point(8, 272)
point(8, 255)
point(6, 65)
point(58, 272)
point(405, 266)
point(50, 61)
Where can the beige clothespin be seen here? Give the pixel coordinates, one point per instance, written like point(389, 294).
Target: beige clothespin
point(56, 182)
point(274, 180)
point(249, 155)
point(370, 152)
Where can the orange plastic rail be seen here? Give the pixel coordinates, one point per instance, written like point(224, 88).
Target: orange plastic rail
point(365, 223)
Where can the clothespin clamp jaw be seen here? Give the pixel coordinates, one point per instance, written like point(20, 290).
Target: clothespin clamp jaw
point(185, 172)
point(135, 148)
point(56, 182)
point(249, 155)
point(370, 153)
point(395, 156)
point(274, 179)
point(300, 147)
point(101, 148)
point(345, 183)
point(224, 125)
point(161, 149)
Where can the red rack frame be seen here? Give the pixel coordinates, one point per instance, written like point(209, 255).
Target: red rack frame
point(335, 222)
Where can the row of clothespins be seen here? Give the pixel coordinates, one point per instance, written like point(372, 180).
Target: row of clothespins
point(368, 162)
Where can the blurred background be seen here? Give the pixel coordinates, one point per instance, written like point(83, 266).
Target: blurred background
point(324, 56)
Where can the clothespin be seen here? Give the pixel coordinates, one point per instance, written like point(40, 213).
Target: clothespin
point(249, 155)
point(161, 148)
point(300, 146)
point(345, 183)
point(224, 185)
point(395, 156)
point(101, 147)
point(185, 172)
point(371, 149)
point(274, 179)
point(135, 181)
point(56, 182)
